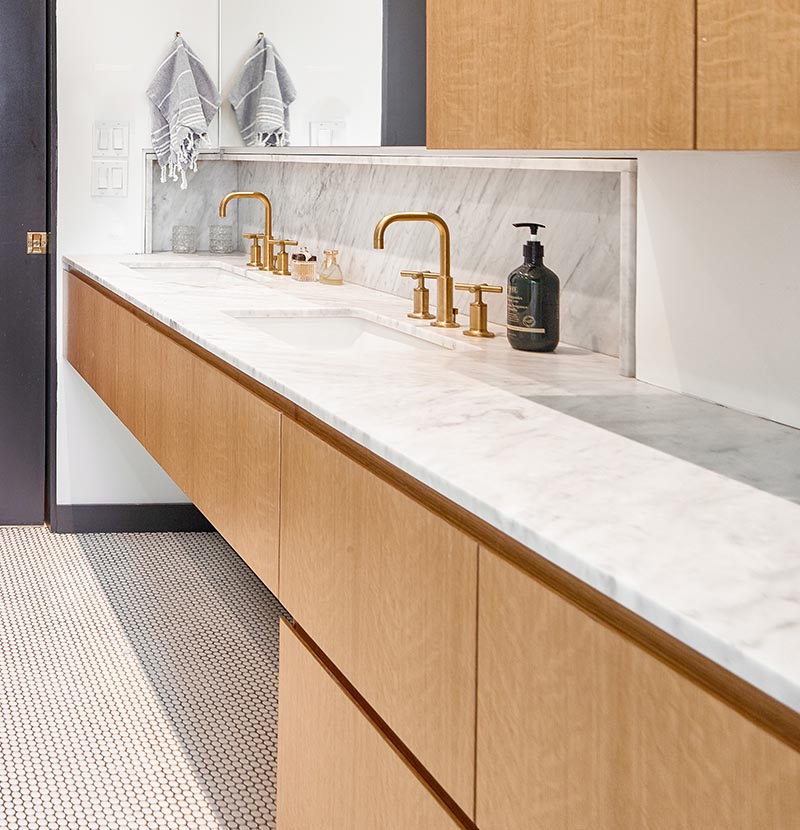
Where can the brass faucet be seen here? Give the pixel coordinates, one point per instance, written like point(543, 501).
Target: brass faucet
point(269, 243)
point(445, 311)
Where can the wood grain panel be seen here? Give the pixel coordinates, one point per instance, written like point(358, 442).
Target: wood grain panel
point(561, 74)
point(216, 439)
point(388, 591)
point(335, 770)
point(748, 75)
point(578, 729)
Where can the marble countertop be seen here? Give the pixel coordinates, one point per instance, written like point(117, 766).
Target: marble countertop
point(684, 512)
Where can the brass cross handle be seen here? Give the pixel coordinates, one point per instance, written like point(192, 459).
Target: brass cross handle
point(478, 310)
point(422, 296)
point(282, 257)
point(255, 249)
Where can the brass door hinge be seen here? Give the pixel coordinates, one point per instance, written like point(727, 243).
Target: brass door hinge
point(37, 242)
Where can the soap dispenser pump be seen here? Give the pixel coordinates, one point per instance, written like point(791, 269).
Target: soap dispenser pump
point(533, 299)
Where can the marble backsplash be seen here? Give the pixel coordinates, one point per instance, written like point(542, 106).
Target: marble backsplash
point(337, 205)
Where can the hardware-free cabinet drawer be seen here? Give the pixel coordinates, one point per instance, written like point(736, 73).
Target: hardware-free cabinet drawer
point(216, 439)
point(336, 771)
point(580, 729)
point(388, 591)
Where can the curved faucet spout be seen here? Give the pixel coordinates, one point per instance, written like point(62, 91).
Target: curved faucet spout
point(269, 245)
point(445, 313)
point(433, 218)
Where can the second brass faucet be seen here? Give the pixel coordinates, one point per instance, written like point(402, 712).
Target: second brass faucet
point(276, 263)
point(445, 310)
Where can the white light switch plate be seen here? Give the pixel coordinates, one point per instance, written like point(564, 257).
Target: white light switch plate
point(110, 178)
point(327, 133)
point(110, 139)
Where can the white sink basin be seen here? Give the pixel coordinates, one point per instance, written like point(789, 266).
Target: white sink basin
point(194, 277)
point(343, 330)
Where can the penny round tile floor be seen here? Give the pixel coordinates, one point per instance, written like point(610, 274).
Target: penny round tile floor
point(138, 683)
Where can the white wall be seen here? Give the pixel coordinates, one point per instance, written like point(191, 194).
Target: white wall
point(334, 54)
point(718, 311)
point(107, 54)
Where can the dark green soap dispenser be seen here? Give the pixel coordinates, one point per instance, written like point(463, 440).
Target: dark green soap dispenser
point(534, 293)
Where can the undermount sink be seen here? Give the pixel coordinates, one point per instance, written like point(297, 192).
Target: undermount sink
point(194, 277)
point(343, 330)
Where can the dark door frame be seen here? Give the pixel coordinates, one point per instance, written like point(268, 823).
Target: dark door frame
point(51, 370)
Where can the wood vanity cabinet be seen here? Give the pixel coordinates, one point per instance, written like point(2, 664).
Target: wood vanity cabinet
point(748, 75)
point(388, 591)
point(580, 728)
point(335, 769)
point(561, 74)
point(217, 440)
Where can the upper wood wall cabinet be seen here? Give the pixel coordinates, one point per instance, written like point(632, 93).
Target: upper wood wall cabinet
point(748, 75)
point(561, 74)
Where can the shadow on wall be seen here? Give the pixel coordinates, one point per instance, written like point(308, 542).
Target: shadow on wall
point(760, 453)
point(205, 632)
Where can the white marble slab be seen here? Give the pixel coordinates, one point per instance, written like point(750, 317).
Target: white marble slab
point(336, 201)
point(684, 512)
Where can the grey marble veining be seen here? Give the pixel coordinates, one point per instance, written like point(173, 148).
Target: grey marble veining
point(337, 205)
point(197, 205)
point(683, 512)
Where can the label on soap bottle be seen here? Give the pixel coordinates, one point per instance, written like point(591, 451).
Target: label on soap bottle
point(521, 307)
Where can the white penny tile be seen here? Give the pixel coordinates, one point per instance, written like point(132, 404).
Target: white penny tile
point(138, 683)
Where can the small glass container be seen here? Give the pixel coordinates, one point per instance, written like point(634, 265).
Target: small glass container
point(331, 273)
point(304, 266)
point(220, 239)
point(184, 239)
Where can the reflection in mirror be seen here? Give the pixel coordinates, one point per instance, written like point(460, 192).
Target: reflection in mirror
point(343, 74)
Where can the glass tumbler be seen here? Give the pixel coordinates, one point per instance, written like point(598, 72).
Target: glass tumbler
point(184, 239)
point(220, 239)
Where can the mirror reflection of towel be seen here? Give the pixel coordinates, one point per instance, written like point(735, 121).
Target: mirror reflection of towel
point(261, 97)
point(184, 101)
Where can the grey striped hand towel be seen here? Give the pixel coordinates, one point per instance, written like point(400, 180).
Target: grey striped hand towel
point(184, 101)
point(261, 97)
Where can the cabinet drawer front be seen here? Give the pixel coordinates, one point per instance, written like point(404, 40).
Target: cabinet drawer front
point(335, 769)
point(388, 591)
point(218, 441)
point(579, 728)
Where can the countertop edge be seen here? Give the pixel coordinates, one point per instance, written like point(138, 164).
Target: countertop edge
point(770, 684)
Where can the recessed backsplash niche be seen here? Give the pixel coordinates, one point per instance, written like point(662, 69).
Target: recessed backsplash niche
point(589, 214)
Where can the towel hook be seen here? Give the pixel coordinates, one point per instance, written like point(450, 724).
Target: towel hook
point(177, 34)
point(261, 34)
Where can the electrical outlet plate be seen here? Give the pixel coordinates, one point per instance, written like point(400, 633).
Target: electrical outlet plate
point(111, 139)
point(110, 178)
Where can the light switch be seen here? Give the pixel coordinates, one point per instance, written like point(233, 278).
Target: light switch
point(110, 178)
point(110, 139)
point(327, 133)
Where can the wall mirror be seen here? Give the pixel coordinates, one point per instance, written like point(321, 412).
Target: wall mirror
point(353, 69)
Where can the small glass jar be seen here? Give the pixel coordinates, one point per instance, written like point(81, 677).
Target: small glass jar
point(331, 273)
point(220, 239)
point(304, 266)
point(184, 239)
